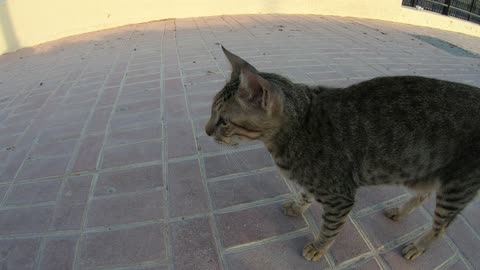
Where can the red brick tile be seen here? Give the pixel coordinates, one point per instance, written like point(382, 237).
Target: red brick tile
point(133, 153)
point(123, 247)
point(438, 253)
point(71, 206)
point(13, 163)
point(130, 180)
point(175, 108)
point(246, 189)
point(255, 224)
point(145, 65)
point(35, 219)
point(187, 194)
point(81, 97)
point(139, 96)
point(382, 230)
point(471, 214)
point(459, 265)
point(136, 121)
point(40, 168)
point(181, 141)
point(99, 121)
point(135, 135)
point(88, 154)
point(114, 79)
point(139, 207)
point(193, 245)
point(143, 71)
point(284, 255)
point(136, 107)
point(206, 87)
point(237, 162)
point(19, 254)
point(196, 79)
point(466, 241)
point(44, 191)
point(8, 141)
point(201, 104)
point(348, 244)
point(62, 132)
point(131, 88)
point(3, 190)
point(172, 71)
point(173, 87)
point(371, 264)
point(108, 97)
point(62, 148)
point(372, 195)
point(59, 253)
point(142, 78)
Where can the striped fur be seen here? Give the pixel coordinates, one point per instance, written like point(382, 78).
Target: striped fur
point(413, 131)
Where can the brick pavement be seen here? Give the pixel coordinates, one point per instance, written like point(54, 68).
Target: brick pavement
point(104, 163)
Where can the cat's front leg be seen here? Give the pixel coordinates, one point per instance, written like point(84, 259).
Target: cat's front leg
point(335, 212)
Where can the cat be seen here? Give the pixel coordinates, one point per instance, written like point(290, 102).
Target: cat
point(405, 130)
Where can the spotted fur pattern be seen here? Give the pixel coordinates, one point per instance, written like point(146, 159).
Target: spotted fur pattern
point(413, 131)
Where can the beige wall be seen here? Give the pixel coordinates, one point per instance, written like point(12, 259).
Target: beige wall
point(25, 23)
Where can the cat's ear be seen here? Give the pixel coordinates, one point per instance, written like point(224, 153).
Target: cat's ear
point(257, 92)
point(237, 63)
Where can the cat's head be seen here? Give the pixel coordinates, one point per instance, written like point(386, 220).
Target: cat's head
point(249, 107)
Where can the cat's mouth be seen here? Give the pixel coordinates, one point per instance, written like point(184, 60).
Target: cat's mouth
point(225, 143)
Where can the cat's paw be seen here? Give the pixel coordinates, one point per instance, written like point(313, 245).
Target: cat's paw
point(393, 213)
point(291, 209)
point(412, 251)
point(312, 253)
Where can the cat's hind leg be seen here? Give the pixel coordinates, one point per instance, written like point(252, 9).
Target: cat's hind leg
point(451, 199)
point(398, 213)
point(298, 206)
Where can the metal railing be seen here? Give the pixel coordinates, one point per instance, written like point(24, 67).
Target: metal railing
point(464, 9)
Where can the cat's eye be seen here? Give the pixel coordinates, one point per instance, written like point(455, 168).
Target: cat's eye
point(221, 122)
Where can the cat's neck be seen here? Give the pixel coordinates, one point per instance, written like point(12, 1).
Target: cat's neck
point(298, 107)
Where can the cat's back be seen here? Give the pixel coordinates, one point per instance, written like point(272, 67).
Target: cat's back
point(407, 98)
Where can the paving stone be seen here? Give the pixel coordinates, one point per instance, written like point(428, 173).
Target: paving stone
point(132, 153)
point(129, 180)
point(19, 254)
point(187, 193)
point(466, 241)
point(237, 162)
point(88, 153)
point(438, 253)
point(123, 247)
point(193, 245)
point(40, 168)
point(283, 255)
point(255, 224)
point(59, 253)
point(374, 195)
point(131, 208)
point(180, 139)
point(135, 135)
point(246, 189)
point(69, 210)
point(38, 192)
point(382, 230)
point(62, 148)
point(35, 219)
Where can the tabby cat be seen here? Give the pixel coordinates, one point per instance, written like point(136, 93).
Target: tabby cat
point(418, 132)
